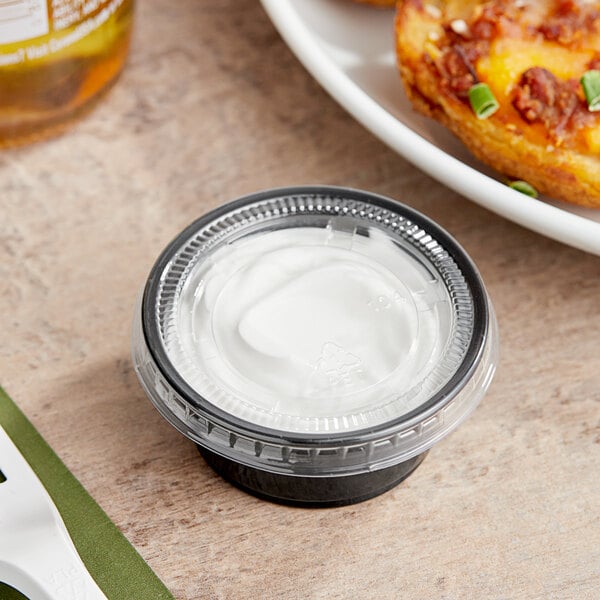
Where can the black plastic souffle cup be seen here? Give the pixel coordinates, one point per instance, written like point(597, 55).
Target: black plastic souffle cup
point(314, 465)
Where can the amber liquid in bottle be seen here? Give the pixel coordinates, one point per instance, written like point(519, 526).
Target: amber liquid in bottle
point(48, 80)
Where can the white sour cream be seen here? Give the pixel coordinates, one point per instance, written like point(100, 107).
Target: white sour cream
point(313, 329)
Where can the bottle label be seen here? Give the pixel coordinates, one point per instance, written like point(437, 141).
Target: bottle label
point(22, 20)
point(69, 20)
point(66, 13)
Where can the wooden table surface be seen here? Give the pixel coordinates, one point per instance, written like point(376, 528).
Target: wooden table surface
point(213, 106)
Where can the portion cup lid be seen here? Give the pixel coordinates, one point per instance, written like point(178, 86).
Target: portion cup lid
point(315, 331)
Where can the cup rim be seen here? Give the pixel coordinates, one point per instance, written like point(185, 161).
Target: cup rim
point(261, 433)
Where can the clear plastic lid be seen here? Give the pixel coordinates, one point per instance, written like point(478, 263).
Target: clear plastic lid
point(315, 331)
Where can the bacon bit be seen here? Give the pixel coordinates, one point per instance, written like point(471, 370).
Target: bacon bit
point(568, 7)
point(541, 97)
point(456, 66)
point(569, 22)
point(494, 18)
point(594, 64)
point(485, 28)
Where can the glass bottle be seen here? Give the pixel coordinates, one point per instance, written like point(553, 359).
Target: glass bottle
point(56, 58)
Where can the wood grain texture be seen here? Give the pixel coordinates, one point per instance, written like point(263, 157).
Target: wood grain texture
point(213, 106)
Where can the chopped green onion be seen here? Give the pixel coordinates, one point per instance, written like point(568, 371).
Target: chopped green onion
point(524, 188)
point(591, 88)
point(482, 100)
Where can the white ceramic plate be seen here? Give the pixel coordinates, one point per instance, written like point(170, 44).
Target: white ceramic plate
point(349, 49)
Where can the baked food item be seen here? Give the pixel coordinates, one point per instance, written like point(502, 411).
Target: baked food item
point(531, 54)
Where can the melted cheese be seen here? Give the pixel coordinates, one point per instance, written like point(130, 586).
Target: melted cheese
point(509, 58)
point(592, 137)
